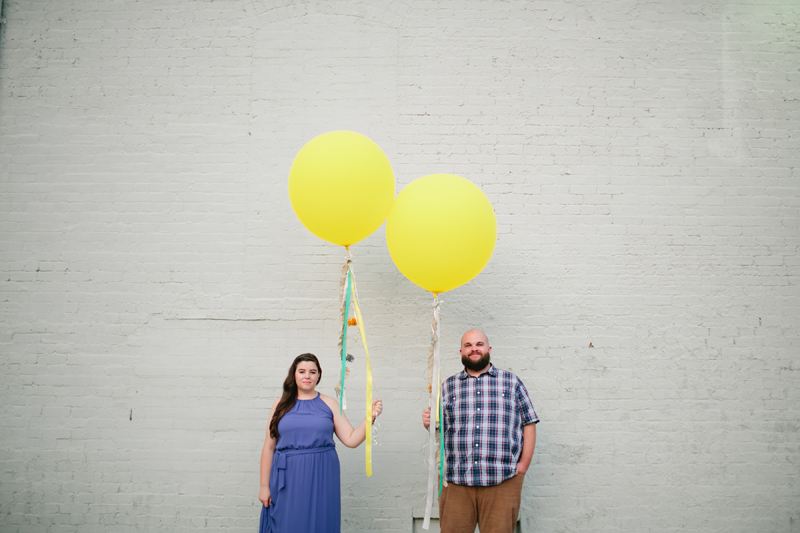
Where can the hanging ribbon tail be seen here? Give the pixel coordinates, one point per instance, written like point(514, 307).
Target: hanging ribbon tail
point(439, 419)
point(342, 284)
point(435, 401)
point(347, 291)
point(360, 321)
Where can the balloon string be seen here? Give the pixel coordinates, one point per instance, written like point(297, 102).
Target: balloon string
point(347, 290)
point(439, 410)
point(360, 322)
point(435, 400)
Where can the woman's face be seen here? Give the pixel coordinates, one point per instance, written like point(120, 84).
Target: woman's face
point(306, 375)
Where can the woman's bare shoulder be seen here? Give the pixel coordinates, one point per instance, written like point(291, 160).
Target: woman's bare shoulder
point(274, 405)
point(330, 402)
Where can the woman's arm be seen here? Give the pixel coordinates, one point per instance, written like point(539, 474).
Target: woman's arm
point(341, 426)
point(266, 462)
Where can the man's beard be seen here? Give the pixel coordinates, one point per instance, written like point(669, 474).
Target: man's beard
point(478, 365)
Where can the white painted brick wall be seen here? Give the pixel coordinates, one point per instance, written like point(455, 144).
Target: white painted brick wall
point(642, 161)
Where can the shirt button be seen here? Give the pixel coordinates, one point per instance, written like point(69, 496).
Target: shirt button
point(476, 444)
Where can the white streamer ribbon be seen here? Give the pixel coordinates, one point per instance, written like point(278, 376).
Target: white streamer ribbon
point(435, 398)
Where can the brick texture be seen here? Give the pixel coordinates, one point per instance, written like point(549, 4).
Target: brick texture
point(642, 161)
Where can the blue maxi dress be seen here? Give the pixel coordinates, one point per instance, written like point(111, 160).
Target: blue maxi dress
point(304, 480)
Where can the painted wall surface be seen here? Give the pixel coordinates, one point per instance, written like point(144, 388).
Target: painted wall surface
point(642, 160)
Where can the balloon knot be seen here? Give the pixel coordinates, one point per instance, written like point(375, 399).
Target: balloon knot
point(352, 322)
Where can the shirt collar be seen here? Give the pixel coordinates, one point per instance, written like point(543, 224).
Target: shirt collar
point(492, 372)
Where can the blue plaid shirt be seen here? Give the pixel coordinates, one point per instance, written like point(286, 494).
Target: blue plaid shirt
point(483, 419)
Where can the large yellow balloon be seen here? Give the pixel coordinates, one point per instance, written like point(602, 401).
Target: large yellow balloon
point(441, 231)
point(341, 186)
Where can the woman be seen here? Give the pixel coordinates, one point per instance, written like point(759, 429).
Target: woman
point(300, 487)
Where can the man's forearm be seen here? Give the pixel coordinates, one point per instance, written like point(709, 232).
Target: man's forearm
point(528, 444)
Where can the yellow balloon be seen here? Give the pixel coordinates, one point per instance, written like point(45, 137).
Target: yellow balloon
point(341, 186)
point(441, 231)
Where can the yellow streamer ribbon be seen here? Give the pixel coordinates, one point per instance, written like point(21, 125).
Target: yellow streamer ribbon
point(368, 444)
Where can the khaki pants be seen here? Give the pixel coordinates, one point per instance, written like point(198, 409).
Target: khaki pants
point(495, 509)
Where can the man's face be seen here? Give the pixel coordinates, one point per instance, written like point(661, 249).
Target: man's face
point(475, 350)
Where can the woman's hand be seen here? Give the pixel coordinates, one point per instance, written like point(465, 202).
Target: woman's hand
point(377, 408)
point(264, 496)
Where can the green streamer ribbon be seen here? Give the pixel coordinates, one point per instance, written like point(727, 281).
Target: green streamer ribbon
point(344, 334)
point(441, 446)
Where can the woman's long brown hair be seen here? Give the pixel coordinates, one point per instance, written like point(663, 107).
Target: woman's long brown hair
point(289, 396)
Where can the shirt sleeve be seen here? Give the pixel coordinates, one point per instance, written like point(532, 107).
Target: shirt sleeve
point(525, 406)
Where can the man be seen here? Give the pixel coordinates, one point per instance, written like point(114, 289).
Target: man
point(489, 434)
